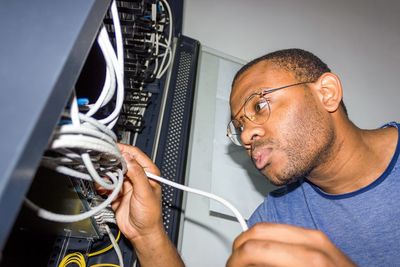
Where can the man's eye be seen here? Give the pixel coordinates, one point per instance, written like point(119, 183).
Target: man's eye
point(261, 105)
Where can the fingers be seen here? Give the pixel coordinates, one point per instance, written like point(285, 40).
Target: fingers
point(141, 158)
point(282, 233)
point(134, 157)
point(272, 253)
point(267, 244)
point(140, 183)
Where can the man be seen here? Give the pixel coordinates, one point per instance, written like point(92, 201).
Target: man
point(338, 206)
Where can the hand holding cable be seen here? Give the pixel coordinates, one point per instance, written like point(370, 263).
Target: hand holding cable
point(138, 212)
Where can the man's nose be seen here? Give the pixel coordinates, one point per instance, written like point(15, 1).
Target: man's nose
point(251, 132)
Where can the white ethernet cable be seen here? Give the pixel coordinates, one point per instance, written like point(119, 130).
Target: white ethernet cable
point(118, 35)
point(91, 136)
point(115, 70)
point(109, 152)
point(109, 83)
point(169, 53)
point(64, 218)
point(103, 41)
point(84, 137)
point(90, 122)
point(65, 170)
point(78, 140)
point(118, 62)
point(163, 69)
point(237, 214)
point(89, 143)
point(71, 129)
point(115, 245)
point(170, 20)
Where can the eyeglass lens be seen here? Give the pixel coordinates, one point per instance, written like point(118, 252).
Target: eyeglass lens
point(257, 109)
point(234, 131)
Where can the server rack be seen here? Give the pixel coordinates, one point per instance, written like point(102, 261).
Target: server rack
point(41, 63)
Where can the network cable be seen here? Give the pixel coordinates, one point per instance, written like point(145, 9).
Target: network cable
point(168, 51)
point(115, 245)
point(237, 214)
point(87, 143)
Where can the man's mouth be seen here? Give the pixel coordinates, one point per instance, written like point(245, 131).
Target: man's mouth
point(261, 157)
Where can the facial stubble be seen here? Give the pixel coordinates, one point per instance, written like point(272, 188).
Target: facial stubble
point(309, 140)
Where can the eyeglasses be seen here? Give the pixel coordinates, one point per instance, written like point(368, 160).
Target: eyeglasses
point(256, 109)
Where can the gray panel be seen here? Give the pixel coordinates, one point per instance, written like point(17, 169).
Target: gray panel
point(43, 48)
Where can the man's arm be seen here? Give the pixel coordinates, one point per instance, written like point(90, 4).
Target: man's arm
point(267, 244)
point(138, 212)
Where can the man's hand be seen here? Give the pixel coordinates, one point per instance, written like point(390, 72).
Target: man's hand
point(138, 212)
point(138, 207)
point(267, 244)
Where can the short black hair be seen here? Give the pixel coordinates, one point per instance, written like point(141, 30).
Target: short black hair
point(304, 65)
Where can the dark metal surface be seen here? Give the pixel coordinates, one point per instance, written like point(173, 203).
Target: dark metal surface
point(174, 138)
point(43, 47)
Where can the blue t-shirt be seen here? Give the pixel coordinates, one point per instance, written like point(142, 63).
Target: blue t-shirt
point(364, 224)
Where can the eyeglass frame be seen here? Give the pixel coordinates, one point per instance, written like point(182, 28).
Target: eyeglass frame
point(262, 93)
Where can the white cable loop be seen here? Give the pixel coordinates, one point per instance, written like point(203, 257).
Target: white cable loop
point(206, 194)
point(120, 79)
point(65, 170)
point(88, 145)
point(83, 130)
point(93, 173)
point(97, 125)
point(118, 35)
point(71, 172)
point(109, 83)
point(84, 143)
point(63, 218)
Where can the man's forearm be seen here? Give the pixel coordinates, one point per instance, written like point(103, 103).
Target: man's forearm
point(156, 251)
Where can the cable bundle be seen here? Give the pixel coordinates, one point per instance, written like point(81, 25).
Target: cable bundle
point(73, 258)
point(85, 148)
point(114, 72)
point(147, 37)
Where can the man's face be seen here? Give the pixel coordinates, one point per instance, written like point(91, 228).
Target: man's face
point(298, 135)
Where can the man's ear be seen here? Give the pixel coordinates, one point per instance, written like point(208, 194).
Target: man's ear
point(329, 91)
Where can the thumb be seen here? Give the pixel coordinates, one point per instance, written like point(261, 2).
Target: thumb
point(136, 174)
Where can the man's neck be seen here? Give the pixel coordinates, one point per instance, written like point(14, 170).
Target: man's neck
point(358, 158)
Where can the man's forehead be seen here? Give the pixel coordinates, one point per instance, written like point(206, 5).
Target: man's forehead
point(262, 74)
point(260, 67)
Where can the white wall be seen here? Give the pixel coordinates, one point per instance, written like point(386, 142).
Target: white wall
point(358, 39)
